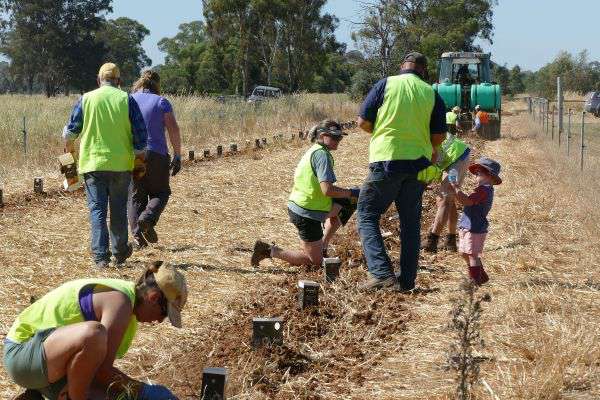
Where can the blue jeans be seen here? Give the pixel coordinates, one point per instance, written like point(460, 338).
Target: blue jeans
point(377, 194)
point(104, 188)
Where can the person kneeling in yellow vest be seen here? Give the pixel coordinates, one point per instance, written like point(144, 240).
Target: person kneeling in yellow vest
point(63, 346)
point(315, 202)
point(453, 161)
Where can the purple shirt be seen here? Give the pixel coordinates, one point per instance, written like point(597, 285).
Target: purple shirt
point(154, 108)
point(86, 303)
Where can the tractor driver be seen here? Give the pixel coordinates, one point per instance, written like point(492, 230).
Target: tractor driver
point(464, 76)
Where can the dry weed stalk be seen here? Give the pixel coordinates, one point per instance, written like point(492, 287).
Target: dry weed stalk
point(466, 327)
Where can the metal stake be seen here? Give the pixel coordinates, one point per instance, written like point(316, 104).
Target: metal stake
point(553, 110)
point(560, 99)
point(547, 117)
point(582, 137)
point(24, 137)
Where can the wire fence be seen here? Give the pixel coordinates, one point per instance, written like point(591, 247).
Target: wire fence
point(575, 133)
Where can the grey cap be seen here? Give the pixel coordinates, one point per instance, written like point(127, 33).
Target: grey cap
point(417, 58)
point(331, 131)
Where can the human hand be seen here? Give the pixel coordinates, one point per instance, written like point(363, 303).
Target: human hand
point(175, 165)
point(155, 392)
point(434, 156)
point(69, 146)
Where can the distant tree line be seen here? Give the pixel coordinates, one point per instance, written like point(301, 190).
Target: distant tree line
point(290, 44)
point(391, 28)
point(56, 46)
point(578, 74)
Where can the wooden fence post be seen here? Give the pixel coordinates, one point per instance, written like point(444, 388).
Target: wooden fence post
point(569, 132)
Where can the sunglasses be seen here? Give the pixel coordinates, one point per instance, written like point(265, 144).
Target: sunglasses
point(336, 138)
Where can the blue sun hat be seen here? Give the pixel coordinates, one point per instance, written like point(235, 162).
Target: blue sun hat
point(490, 166)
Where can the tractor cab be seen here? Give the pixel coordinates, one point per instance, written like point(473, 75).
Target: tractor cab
point(465, 81)
point(465, 68)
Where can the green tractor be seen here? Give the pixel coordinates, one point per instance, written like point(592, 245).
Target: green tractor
point(465, 81)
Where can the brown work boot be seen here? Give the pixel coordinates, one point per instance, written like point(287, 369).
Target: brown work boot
point(431, 244)
point(261, 251)
point(373, 283)
point(148, 231)
point(139, 242)
point(450, 244)
point(29, 394)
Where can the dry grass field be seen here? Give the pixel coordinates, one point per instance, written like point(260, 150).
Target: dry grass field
point(541, 328)
point(204, 123)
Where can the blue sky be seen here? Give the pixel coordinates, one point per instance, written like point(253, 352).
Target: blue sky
point(527, 32)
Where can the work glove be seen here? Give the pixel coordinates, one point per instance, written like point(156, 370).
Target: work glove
point(155, 392)
point(355, 192)
point(139, 168)
point(354, 197)
point(175, 165)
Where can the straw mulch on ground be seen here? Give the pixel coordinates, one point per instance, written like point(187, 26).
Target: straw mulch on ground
point(541, 328)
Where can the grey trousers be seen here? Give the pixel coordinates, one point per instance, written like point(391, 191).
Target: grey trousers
point(149, 195)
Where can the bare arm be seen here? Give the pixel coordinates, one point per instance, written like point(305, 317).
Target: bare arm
point(365, 125)
point(114, 311)
point(70, 147)
point(463, 198)
point(174, 134)
point(437, 139)
point(330, 190)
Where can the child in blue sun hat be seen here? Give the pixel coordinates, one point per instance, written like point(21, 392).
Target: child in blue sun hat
point(473, 224)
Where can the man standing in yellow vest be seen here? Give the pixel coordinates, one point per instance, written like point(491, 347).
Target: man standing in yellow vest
point(112, 133)
point(406, 120)
point(315, 202)
point(64, 345)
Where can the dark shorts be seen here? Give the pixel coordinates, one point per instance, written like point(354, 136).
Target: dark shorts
point(348, 209)
point(309, 230)
point(26, 364)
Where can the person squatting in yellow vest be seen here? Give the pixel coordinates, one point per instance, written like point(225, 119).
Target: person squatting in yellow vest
point(406, 120)
point(315, 202)
point(63, 346)
point(112, 135)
